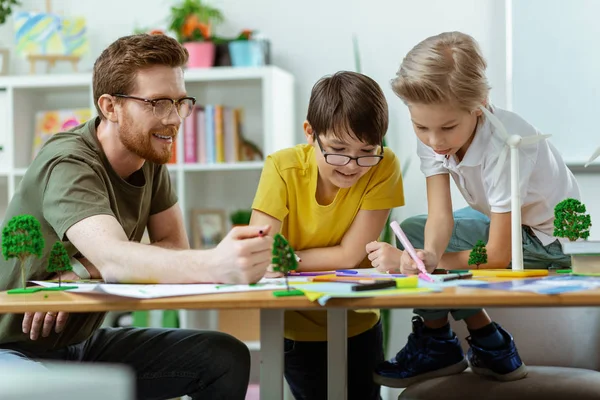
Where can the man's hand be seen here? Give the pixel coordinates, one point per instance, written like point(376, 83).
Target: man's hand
point(45, 321)
point(243, 255)
point(384, 256)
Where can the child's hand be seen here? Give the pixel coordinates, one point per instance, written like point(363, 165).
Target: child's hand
point(384, 256)
point(409, 267)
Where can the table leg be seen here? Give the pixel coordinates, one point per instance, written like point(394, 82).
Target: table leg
point(337, 341)
point(271, 354)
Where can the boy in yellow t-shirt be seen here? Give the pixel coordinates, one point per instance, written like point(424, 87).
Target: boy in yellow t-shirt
point(330, 198)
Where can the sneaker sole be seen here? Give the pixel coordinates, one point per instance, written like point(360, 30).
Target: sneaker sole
point(515, 375)
point(402, 383)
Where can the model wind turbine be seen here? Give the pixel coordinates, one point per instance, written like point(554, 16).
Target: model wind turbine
point(512, 142)
point(593, 157)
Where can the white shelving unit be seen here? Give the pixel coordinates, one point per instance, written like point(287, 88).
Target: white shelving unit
point(266, 95)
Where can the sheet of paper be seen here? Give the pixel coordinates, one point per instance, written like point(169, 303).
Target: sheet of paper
point(547, 285)
point(164, 290)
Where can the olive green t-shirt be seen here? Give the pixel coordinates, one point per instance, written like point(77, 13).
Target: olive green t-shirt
point(70, 180)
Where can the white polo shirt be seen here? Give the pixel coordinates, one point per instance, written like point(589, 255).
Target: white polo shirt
point(545, 180)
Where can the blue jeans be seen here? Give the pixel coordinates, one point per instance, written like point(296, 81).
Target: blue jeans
point(168, 362)
point(306, 366)
point(469, 227)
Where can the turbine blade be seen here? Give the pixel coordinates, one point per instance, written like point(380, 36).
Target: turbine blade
point(527, 140)
point(593, 157)
point(496, 123)
point(500, 164)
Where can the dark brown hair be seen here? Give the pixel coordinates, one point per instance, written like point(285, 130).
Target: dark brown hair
point(116, 68)
point(349, 103)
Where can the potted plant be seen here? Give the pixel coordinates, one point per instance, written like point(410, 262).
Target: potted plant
point(240, 217)
point(5, 11)
point(192, 22)
point(247, 51)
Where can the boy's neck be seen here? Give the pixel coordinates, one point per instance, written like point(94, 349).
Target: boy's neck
point(326, 192)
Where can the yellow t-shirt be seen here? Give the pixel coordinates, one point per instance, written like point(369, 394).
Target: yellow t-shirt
point(287, 191)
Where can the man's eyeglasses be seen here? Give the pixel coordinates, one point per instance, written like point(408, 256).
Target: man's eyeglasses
point(340, 160)
point(162, 107)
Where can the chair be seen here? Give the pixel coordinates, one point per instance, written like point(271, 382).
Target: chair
point(560, 347)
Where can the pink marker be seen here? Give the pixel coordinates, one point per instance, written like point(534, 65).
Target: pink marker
point(411, 250)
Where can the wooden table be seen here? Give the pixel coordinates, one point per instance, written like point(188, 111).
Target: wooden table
point(272, 316)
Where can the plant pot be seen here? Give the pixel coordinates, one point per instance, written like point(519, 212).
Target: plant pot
point(585, 256)
point(247, 53)
point(222, 57)
point(202, 54)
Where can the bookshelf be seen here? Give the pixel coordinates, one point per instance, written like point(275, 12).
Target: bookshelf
point(266, 95)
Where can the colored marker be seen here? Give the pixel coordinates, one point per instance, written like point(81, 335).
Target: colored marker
point(411, 250)
point(374, 286)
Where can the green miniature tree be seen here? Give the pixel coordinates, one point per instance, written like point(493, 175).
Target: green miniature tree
point(571, 220)
point(284, 258)
point(59, 261)
point(22, 238)
point(478, 255)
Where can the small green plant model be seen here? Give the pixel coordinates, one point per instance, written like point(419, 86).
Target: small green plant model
point(59, 262)
point(22, 238)
point(284, 258)
point(478, 255)
point(571, 220)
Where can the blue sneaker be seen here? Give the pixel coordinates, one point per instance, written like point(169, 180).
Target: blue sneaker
point(503, 364)
point(423, 357)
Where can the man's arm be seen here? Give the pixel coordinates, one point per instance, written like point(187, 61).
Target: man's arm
point(241, 257)
point(167, 230)
point(367, 227)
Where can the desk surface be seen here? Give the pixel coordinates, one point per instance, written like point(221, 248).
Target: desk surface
point(450, 297)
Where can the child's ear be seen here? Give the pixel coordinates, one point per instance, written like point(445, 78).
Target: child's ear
point(308, 132)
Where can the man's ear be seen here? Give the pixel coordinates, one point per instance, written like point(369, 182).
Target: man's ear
point(308, 132)
point(107, 105)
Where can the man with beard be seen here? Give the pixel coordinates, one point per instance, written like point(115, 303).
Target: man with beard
point(97, 188)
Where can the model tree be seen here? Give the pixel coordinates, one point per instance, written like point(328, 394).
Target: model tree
point(478, 255)
point(59, 261)
point(22, 238)
point(284, 258)
point(571, 220)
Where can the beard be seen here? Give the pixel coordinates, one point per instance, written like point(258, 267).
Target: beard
point(141, 144)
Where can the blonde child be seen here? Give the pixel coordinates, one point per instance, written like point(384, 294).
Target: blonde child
point(442, 81)
point(330, 198)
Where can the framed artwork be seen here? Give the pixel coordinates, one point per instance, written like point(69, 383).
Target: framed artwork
point(208, 227)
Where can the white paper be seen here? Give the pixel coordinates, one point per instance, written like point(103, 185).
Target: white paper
point(164, 290)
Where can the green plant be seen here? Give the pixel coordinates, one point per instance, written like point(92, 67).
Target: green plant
point(478, 255)
point(192, 20)
point(284, 258)
point(571, 220)
point(59, 261)
point(22, 238)
point(241, 217)
point(6, 9)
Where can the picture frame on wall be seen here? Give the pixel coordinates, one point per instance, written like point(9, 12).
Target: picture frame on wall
point(209, 227)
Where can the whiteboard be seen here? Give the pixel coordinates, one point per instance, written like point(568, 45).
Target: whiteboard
point(556, 72)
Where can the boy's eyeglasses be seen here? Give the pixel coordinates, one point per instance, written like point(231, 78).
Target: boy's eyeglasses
point(162, 107)
point(340, 160)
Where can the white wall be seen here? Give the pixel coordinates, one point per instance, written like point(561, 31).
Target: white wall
point(314, 38)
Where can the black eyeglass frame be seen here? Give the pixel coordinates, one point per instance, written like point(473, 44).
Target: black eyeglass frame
point(349, 158)
point(153, 103)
